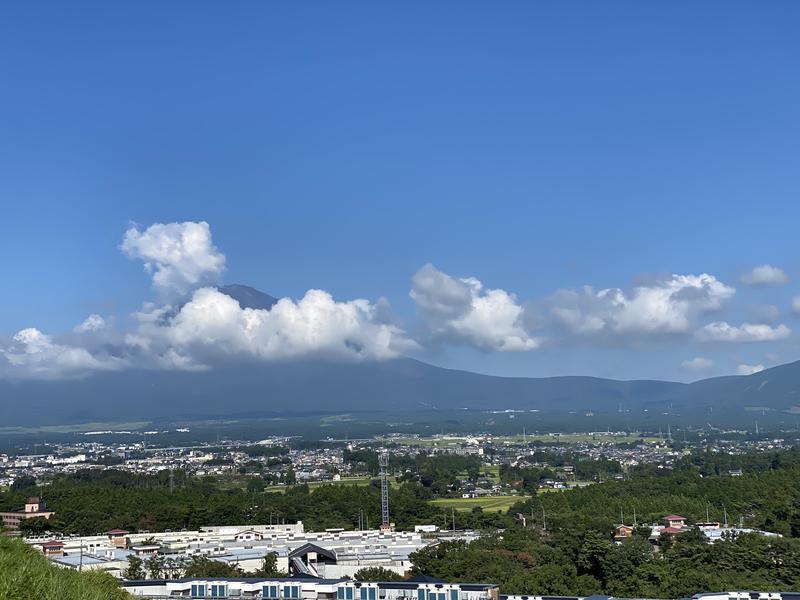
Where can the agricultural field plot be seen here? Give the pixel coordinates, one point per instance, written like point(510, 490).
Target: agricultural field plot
point(488, 503)
point(360, 481)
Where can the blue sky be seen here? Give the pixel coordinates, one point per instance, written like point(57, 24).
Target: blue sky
point(536, 147)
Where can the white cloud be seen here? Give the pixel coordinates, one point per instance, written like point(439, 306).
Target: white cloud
point(213, 324)
point(35, 355)
point(180, 256)
point(749, 369)
point(92, 323)
point(764, 275)
point(796, 305)
point(698, 363)
point(721, 331)
point(665, 306)
point(461, 311)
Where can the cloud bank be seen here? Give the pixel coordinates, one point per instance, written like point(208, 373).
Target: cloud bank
point(34, 354)
point(667, 306)
point(721, 331)
point(764, 275)
point(213, 324)
point(191, 325)
point(697, 364)
point(462, 311)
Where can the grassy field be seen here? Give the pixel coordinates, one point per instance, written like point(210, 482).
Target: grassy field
point(488, 503)
point(77, 428)
point(343, 481)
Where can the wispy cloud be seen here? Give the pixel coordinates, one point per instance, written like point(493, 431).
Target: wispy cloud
point(764, 275)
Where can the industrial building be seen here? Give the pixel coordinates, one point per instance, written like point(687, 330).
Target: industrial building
point(311, 589)
point(334, 553)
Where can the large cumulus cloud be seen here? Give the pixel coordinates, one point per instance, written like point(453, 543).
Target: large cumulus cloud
point(462, 311)
point(213, 324)
point(666, 306)
point(33, 354)
point(179, 256)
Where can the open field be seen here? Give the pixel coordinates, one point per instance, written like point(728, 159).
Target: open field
point(119, 427)
point(344, 481)
point(488, 503)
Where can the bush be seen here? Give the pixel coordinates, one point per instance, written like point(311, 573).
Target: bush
point(27, 575)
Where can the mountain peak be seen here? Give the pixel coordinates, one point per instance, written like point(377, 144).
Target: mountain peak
point(248, 297)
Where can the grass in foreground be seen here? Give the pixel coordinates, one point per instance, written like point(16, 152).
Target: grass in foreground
point(27, 575)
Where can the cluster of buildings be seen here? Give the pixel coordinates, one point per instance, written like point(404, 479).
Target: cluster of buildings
point(200, 459)
point(677, 524)
point(139, 452)
point(422, 588)
point(334, 553)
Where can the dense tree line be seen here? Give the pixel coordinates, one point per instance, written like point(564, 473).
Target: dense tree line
point(440, 473)
point(527, 561)
point(90, 502)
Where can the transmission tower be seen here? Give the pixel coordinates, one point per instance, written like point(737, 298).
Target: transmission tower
point(383, 461)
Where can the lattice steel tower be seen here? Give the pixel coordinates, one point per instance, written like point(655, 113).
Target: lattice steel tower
point(383, 461)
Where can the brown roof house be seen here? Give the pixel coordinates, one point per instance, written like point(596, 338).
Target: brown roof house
point(34, 507)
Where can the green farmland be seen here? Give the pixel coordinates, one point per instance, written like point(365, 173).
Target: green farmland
point(487, 503)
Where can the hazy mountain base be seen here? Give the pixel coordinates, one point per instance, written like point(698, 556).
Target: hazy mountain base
point(257, 389)
point(285, 388)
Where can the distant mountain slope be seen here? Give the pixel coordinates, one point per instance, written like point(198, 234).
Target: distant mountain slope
point(402, 385)
point(398, 385)
point(777, 388)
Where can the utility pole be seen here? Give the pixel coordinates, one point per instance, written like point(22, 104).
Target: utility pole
point(725, 514)
point(383, 461)
point(453, 515)
point(544, 520)
point(634, 517)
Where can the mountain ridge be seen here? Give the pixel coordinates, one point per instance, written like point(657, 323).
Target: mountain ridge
point(405, 384)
